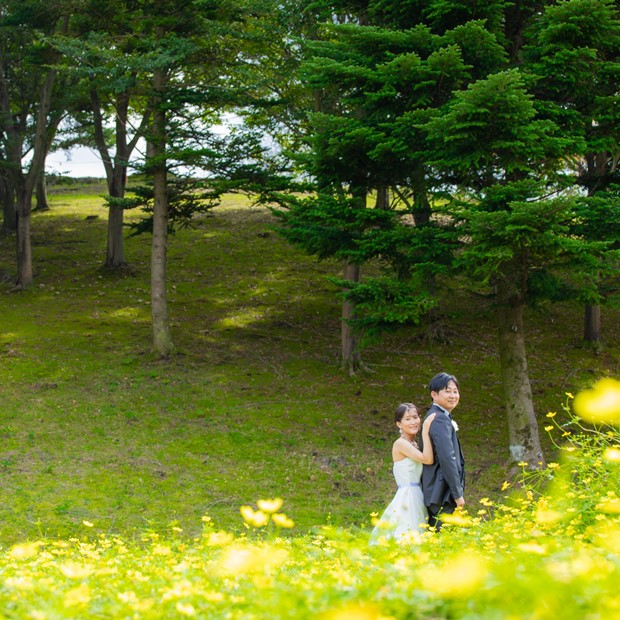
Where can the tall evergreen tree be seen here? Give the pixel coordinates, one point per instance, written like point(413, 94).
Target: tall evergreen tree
point(178, 67)
point(373, 85)
point(104, 53)
point(573, 55)
point(30, 110)
point(456, 77)
point(192, 53)
point(504, 161)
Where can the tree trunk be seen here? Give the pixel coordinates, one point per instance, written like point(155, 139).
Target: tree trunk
point(597, 172)
point(7, 192)
point(162, 340)
point(41, 193)
point(115, 249)
point(421, 205)
point(592, 324)
point(24, 247)
point(115, 176)
point(518, 403)
point(383, 198)
point(116, 168)
point(351, 358)
point(116, 172)
point(26, 184)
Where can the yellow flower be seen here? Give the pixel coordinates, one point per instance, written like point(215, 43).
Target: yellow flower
point(457, 577)
point(485, 501)
point(609, 506)
point(612, 454)
point(601, 403)
point(256, 519)
point(270, 505)
point(552, 465)
point(19, 583)
point(548, 428)
point(187, 609)
point(237, 561)
point(505, 485)
point(548, 516)
point(607, 535)
point(281, 520)
point(522, 463)
point(87, 523)
point(179, 589)
point(75, 570)
point(458, 518)
point(533, 548)
point(127, 597)
point(25, 551)
point(219, 539)
point(247, 512)
point(78, 596)
point(551, 414)
point(569, 395)
point(353, 611)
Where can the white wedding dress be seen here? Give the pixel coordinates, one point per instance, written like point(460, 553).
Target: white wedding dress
point(402, 518)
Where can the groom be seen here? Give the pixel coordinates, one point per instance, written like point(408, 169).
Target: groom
point(443, 482)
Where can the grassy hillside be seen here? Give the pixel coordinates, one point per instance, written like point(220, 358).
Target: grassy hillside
point(253, 404)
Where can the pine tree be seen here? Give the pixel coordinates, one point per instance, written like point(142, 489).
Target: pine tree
point(505, 162)
point(573, 56)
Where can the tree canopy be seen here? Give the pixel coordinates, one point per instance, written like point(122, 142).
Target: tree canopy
point(438, 141)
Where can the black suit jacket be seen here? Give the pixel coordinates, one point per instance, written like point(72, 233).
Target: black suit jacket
point(444, 480)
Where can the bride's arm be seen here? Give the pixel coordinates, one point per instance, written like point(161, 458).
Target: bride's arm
point(426, 440)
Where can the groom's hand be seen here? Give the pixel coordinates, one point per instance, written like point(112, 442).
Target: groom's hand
point(460, 502)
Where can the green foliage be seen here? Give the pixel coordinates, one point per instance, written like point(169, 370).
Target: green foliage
point(489, 133)
point(187, 199)
point(385, 304)
point(447, 14)
point(572, 54)
point(598, 216)
point(482, 52)
point(326, 226)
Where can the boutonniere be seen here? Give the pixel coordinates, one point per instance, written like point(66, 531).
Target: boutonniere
point(456, 426)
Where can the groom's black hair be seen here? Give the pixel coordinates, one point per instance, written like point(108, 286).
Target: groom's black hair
point(440, 381)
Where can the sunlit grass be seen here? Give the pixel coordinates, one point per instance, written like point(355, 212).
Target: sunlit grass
point(93, 427)
point(510, 560)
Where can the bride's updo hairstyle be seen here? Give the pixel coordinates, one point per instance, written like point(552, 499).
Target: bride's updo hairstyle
point(400, 412)
point(402, 409)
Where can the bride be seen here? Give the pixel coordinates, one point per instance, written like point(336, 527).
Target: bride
point(406, 513)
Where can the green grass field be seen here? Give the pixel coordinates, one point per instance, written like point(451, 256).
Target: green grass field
point(93, 427)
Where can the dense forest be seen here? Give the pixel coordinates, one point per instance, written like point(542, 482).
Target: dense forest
point(445, 141)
